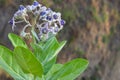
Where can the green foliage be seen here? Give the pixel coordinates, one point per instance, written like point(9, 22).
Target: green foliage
point(70, 70)
point(16, 41)
point(27, 61)
point(8, 63)
point(39, 64)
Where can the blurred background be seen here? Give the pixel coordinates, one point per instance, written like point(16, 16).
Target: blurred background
point(92, 32)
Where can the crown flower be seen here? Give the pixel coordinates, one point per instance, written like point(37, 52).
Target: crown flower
point(34, 55)
point(38, 17)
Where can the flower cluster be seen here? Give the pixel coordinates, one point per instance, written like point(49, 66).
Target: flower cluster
point(43, 18)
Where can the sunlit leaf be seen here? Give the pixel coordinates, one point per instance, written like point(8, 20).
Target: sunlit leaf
point(54, 69)
point(51, 49)
point(46, 53)
point(48, 65)
point(28, 62)
point(16, 40)
point(38, 52)
point(9, 64)
point(70, 70)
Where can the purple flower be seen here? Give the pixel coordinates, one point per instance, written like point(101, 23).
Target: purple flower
point(21, 7)
point(48, 9)
point(44, 30)
point(11, 22)
point(47, 21)
point(42, 13)
point(35, 3)
point(56, 29)
point(62, 22)
point(55, 16)
point(49, 18)
point(29, 8)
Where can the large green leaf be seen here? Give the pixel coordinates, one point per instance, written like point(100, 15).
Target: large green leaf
point(28, 62)
point(48, 65)
point(38, 78)
point(54, 69)
point(8, 63)
point(38, 51)
point(51, 49)
point(46, 53)
point(49, 42)
point(70, 70)
point(41, 50)
point(54, 51)
point(16, 40)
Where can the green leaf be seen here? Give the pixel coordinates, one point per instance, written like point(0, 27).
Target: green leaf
point(48, 65)
point(46, 53)
point(28, 62)
point(54, 69)
point(52, 55)
point(51, 49)
point(70, 70)
point(8, 63)
point(38, 51)
point(43, 49)
point(16, 40)
point(49, 42)
point(42, 78)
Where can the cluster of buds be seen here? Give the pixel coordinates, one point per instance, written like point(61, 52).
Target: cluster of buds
point(44, 20)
